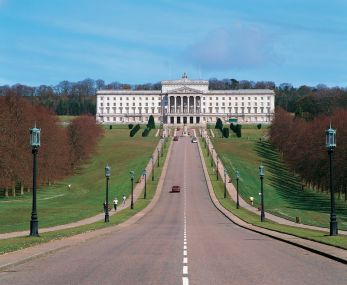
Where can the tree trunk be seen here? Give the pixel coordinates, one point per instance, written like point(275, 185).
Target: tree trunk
point(21, 189)
point(14, 189)
point(6, 192)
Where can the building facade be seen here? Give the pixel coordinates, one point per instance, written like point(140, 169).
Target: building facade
point(185, 101)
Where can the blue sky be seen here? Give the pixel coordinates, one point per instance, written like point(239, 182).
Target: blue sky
point(133, 41)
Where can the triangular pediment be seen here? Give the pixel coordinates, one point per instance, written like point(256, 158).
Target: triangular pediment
point(185, 90)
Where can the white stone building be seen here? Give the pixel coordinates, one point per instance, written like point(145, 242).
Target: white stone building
point(185, 101)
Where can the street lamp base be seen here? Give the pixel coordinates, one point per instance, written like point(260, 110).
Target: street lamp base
point(107, 218)
point(333, 228)
point(262, 217)
point(34, 228)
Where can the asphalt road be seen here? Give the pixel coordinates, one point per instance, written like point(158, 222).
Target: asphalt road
point(183, 240)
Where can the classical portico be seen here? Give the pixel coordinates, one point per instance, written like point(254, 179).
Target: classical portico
point(184, 100)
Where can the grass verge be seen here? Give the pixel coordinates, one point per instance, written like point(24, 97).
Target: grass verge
point(251, 218)
point(57, 204)
point(13, 244)
point(283, 192)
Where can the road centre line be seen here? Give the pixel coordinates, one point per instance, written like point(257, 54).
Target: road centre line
point(185, 279)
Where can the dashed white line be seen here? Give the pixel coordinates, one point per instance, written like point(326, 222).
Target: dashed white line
point(185, 280)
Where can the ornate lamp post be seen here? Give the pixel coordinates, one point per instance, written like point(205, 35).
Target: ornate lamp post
point(152, 167)
point(225, 183)
point(132, 174)
point(237, 189)
point(261, 175)
point(330, 142)
point(158, 155)
point(162, 147)
point(217, 166)
point(107, 175)
point(144, 174)
point(208, 148)
point(35, 144)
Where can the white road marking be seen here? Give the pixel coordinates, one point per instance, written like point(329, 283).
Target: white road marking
point(185, 279)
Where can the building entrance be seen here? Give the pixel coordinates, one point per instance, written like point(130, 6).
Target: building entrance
point(184, 120)
point(178, 120)
point(172, 120)
point(198, 120)
point(191, 120)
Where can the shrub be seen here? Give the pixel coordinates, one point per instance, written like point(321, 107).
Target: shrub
point(130, 126)
point(134, 130)
point(146, 132)
point(238, 130)
point(226, 132)
point(110, 127)
point(232, 127)
point(151, 124)
point(219, 124)
point(259, 126)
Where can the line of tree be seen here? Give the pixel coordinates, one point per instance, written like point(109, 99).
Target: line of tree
point(76, 98)
point(302, 145)
point(62, 149)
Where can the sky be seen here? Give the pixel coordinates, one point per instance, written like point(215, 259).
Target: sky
point(303, 42)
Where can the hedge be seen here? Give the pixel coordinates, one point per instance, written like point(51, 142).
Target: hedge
point(134, 130)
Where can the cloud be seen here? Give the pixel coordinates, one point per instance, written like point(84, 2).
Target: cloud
point(239, 47)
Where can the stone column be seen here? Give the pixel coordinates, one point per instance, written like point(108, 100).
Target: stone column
point(194, 104)
point(175, 100)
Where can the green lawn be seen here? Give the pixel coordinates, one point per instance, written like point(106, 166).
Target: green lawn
point(249, 217)
point(58, 205)
point(13, 244)
point(282, 189)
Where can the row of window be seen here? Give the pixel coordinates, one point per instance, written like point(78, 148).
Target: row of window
point(127, 98)
point(255, 98)
point(128, 110)
point(210, 110)
point(127, 104)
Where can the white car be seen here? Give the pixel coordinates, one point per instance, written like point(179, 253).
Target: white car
point(194, 140)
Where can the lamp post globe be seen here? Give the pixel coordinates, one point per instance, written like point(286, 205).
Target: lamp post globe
point(330, 142)
point(261, 175)
point(35, 144)
point(237, 189)
point(144, 174)
point(132, 175)
point(107, 175)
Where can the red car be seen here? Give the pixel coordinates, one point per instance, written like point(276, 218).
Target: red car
point(175, 138)
point(175, 189)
